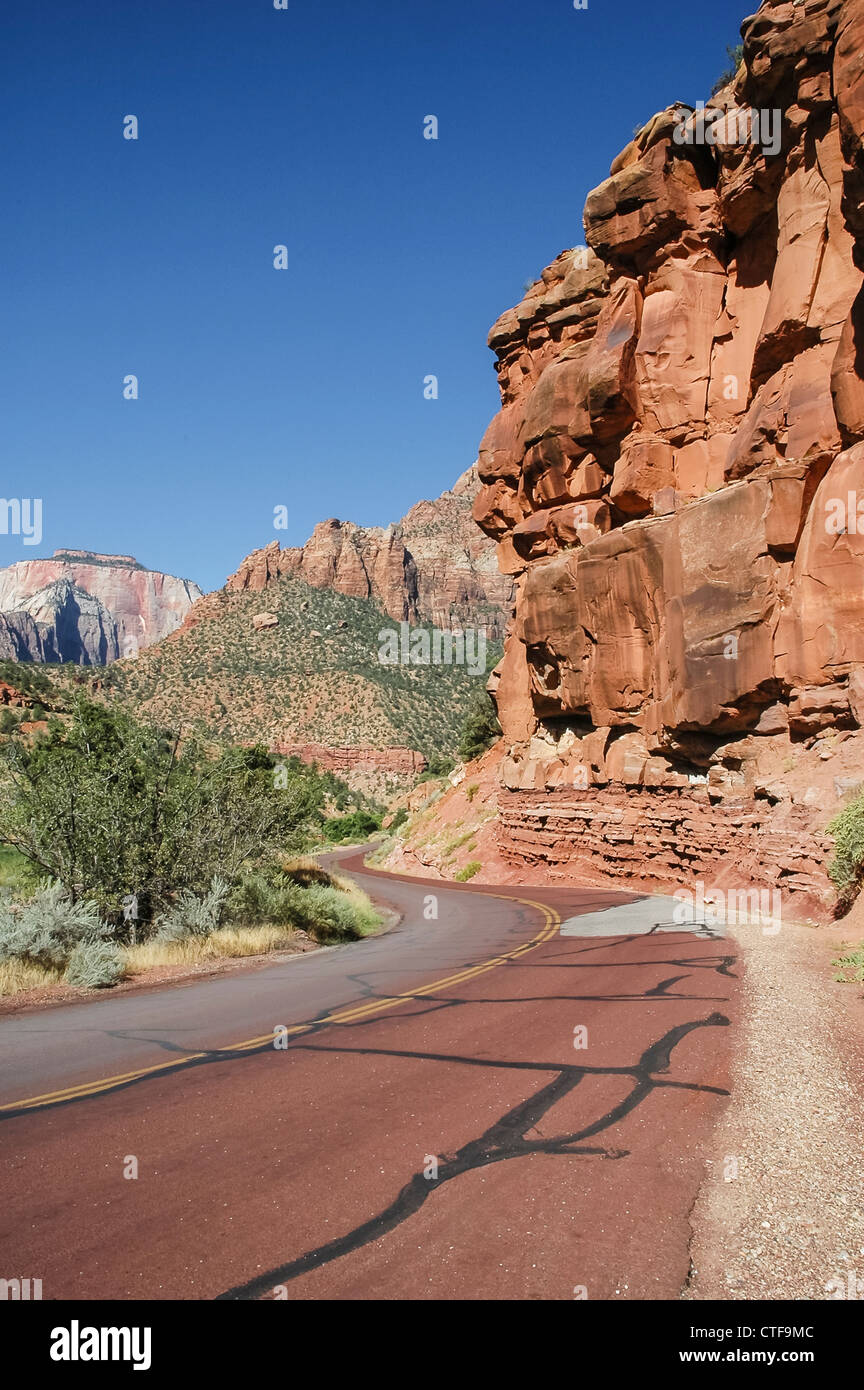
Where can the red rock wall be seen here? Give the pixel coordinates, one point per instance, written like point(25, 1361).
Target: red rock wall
point(663, 838)
point(400, 762)
point(682, 411)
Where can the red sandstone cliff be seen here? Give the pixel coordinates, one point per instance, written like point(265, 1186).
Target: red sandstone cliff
point(433, 566)
point(682, 417)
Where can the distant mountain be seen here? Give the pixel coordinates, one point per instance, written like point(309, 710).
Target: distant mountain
point(300, 669)
point(433, 566)
point(87, 608)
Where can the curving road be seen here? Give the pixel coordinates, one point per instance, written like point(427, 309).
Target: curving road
point(512, 1099)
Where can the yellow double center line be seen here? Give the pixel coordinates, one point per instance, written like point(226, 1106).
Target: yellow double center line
point(350, 1014)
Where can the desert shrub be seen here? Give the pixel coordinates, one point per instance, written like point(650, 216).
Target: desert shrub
point(845, 869)
point(471, 868)
point(437, 765)
point(190, 915)
point(264, 896)
point(331, 915)
point(303, 870)
point(400, 818)
point(46, 930)
point(735, 55)
point(95, 965)
point(326, 912)
point(452, 845)
point(30, 678)
point(850, 965)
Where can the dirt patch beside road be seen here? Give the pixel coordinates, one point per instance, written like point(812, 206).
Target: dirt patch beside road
point(781, 1211)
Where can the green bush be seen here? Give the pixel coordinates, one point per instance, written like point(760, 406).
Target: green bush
point(359, 825)
point(95, 965)
point(303, 897)
point(845, 869)
point(850, 966)
point(193, 916)
point(331, 915)
point(400, 818)
point(17, 874)
point(29, 678)
point(265, 897)
point(46, 930)
point(324, 911)
point(471, 868)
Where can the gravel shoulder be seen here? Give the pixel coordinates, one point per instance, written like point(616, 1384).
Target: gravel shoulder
point(780, 1213)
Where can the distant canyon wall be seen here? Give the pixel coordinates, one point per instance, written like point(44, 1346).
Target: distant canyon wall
point(433, 566)
point(87, 608)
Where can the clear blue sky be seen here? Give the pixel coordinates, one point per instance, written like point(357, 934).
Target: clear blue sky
point(303, 127)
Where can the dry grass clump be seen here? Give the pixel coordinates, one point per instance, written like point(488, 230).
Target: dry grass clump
point(17, 975)
point(226, 943)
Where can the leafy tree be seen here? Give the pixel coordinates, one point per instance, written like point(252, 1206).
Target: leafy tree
point(106, 806)
point(481, 727)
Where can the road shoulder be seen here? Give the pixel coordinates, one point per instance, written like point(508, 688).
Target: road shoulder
point(780, 1213)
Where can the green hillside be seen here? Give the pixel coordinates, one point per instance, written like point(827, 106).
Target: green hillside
point(285, 684)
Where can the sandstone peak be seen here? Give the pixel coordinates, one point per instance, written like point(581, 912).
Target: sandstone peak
point(432, 566)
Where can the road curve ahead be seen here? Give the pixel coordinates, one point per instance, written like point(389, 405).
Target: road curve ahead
point(511, 1099)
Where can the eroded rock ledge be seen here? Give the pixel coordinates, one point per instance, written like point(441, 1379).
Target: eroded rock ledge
point(673, 482)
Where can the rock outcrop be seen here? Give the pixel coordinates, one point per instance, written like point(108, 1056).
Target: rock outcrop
point(397, 762)
point(674, 481)
point(87, 608)
point(75, 625)
point(433, 566)
point(22, 640)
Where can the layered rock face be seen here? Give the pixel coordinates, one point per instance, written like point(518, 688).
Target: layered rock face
point(433, 566)
point(673, 482)
point(87, 608)
point(377, 772)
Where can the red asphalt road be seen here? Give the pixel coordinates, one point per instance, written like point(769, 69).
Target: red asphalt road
point(302, 1170)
